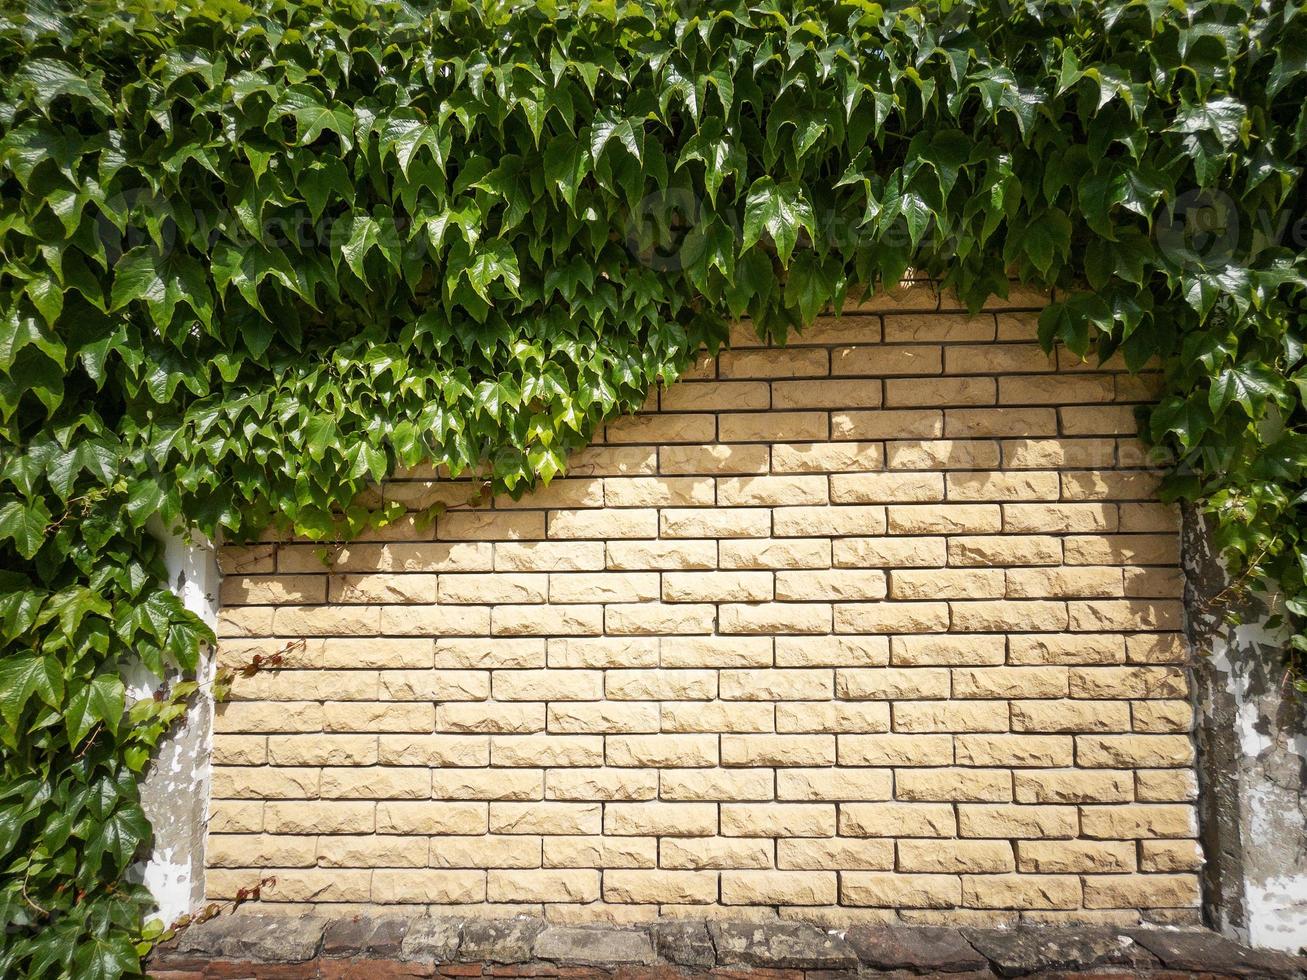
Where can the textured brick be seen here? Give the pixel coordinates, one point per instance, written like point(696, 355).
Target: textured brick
point(708, 853)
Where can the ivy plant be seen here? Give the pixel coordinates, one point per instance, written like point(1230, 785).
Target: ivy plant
point(255, 257)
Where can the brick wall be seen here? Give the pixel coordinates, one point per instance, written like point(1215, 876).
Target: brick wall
point(879, 626)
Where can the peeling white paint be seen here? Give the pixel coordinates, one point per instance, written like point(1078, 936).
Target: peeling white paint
point(1277, 909)
point(176, 790)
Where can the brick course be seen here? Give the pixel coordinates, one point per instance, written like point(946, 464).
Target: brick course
point(881, 624)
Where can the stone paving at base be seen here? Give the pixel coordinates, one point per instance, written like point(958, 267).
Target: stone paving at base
point(271, 947)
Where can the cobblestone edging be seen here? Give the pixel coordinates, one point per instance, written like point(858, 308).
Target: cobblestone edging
point(379, 947)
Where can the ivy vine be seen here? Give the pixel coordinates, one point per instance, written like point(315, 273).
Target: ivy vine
point(255, 257)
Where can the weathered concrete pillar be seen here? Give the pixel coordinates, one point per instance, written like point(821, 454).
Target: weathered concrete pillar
point(1252, 743)
point(175, 793)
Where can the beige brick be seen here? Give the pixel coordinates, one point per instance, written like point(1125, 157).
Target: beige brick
point(1129, 682)
point(1159, 648)
point(658, 819)
point(548, 885)
point(487, 784)
point(484, 653)
point(779, 363)
point(1075, 856)
point(1169, 855)
point(779, 887)
point(836, 785)
point(1134, 751)
point(717, 586)
point(1123, 549)
point(602, 718)
point(893, 890)
point(823, 854)
point(248, 750)
point(548, 685)
point(390, 557)
point(558, 493)
point(775, 554)
point(953, 327)
point(660, 685)
point(897, 820)
point(987, 551)
point(826, 457)
point(300, 885)
point(660, 429)
point(889, 552)
point(657, 555)
point(373, 851)
point(771, 491)
point(830, 584)
point(239, 590)
point(430, 817)
point(1000, 422)
point(713, 853)
point(545, 818)
point(376, 783)
point(1070, 716)
point(735, 523)
point(953, 857)
point(894, 683)
point(471, 525)
point(1066, 648)
point(941, 785)
point(240, 817)
point(264, 783)
point(263, 851)
point(1023, 615)
point(546, 750)
point(1146, 891)
point(487, 851)
point(945, 651)
point(600, 784)
point(645, 491)
point(1009, 682)
point(1039, 391)
point(1094, 420)
point(604, 524)
point(782, 684)
point(914, 360)
point(1015, 751)
point(1158, 716)
point(916, 424)
point(600, 852)
point(1138, 821)
point(548, 556)
point(778, 750)
point(895, 750)
point(950, 716)
point(774, 617)
point(441, 620)
point(947, 583)
point(384, 588)
point(1074, 786)
point(832, 716)
point(942, 454)
point(714, 458)
point(246, 559)
point(823, 394)
point(1126, 614)
point(778, 819)
point(604, 651)
point(1021, 891)
point(320, 750)
point(831, 651)
point(1016, 820)
point(314, 817)
point(1038, 583)
point(718, 716)
point(716, 651)
point(1156, 583)
point(891, 617)
point(434, 685)
point(662, 751)
point(716, 396)
point(547, 620)
point(661, 887)
point(1048, 518)
point(884, 488)
point(653, 618)
point(940, 391)
point(1166, 785)
point(801, 522)
point(479, 589)
point(943, 518)
point(491, 717)
point(284, 716)
point(715, 784)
